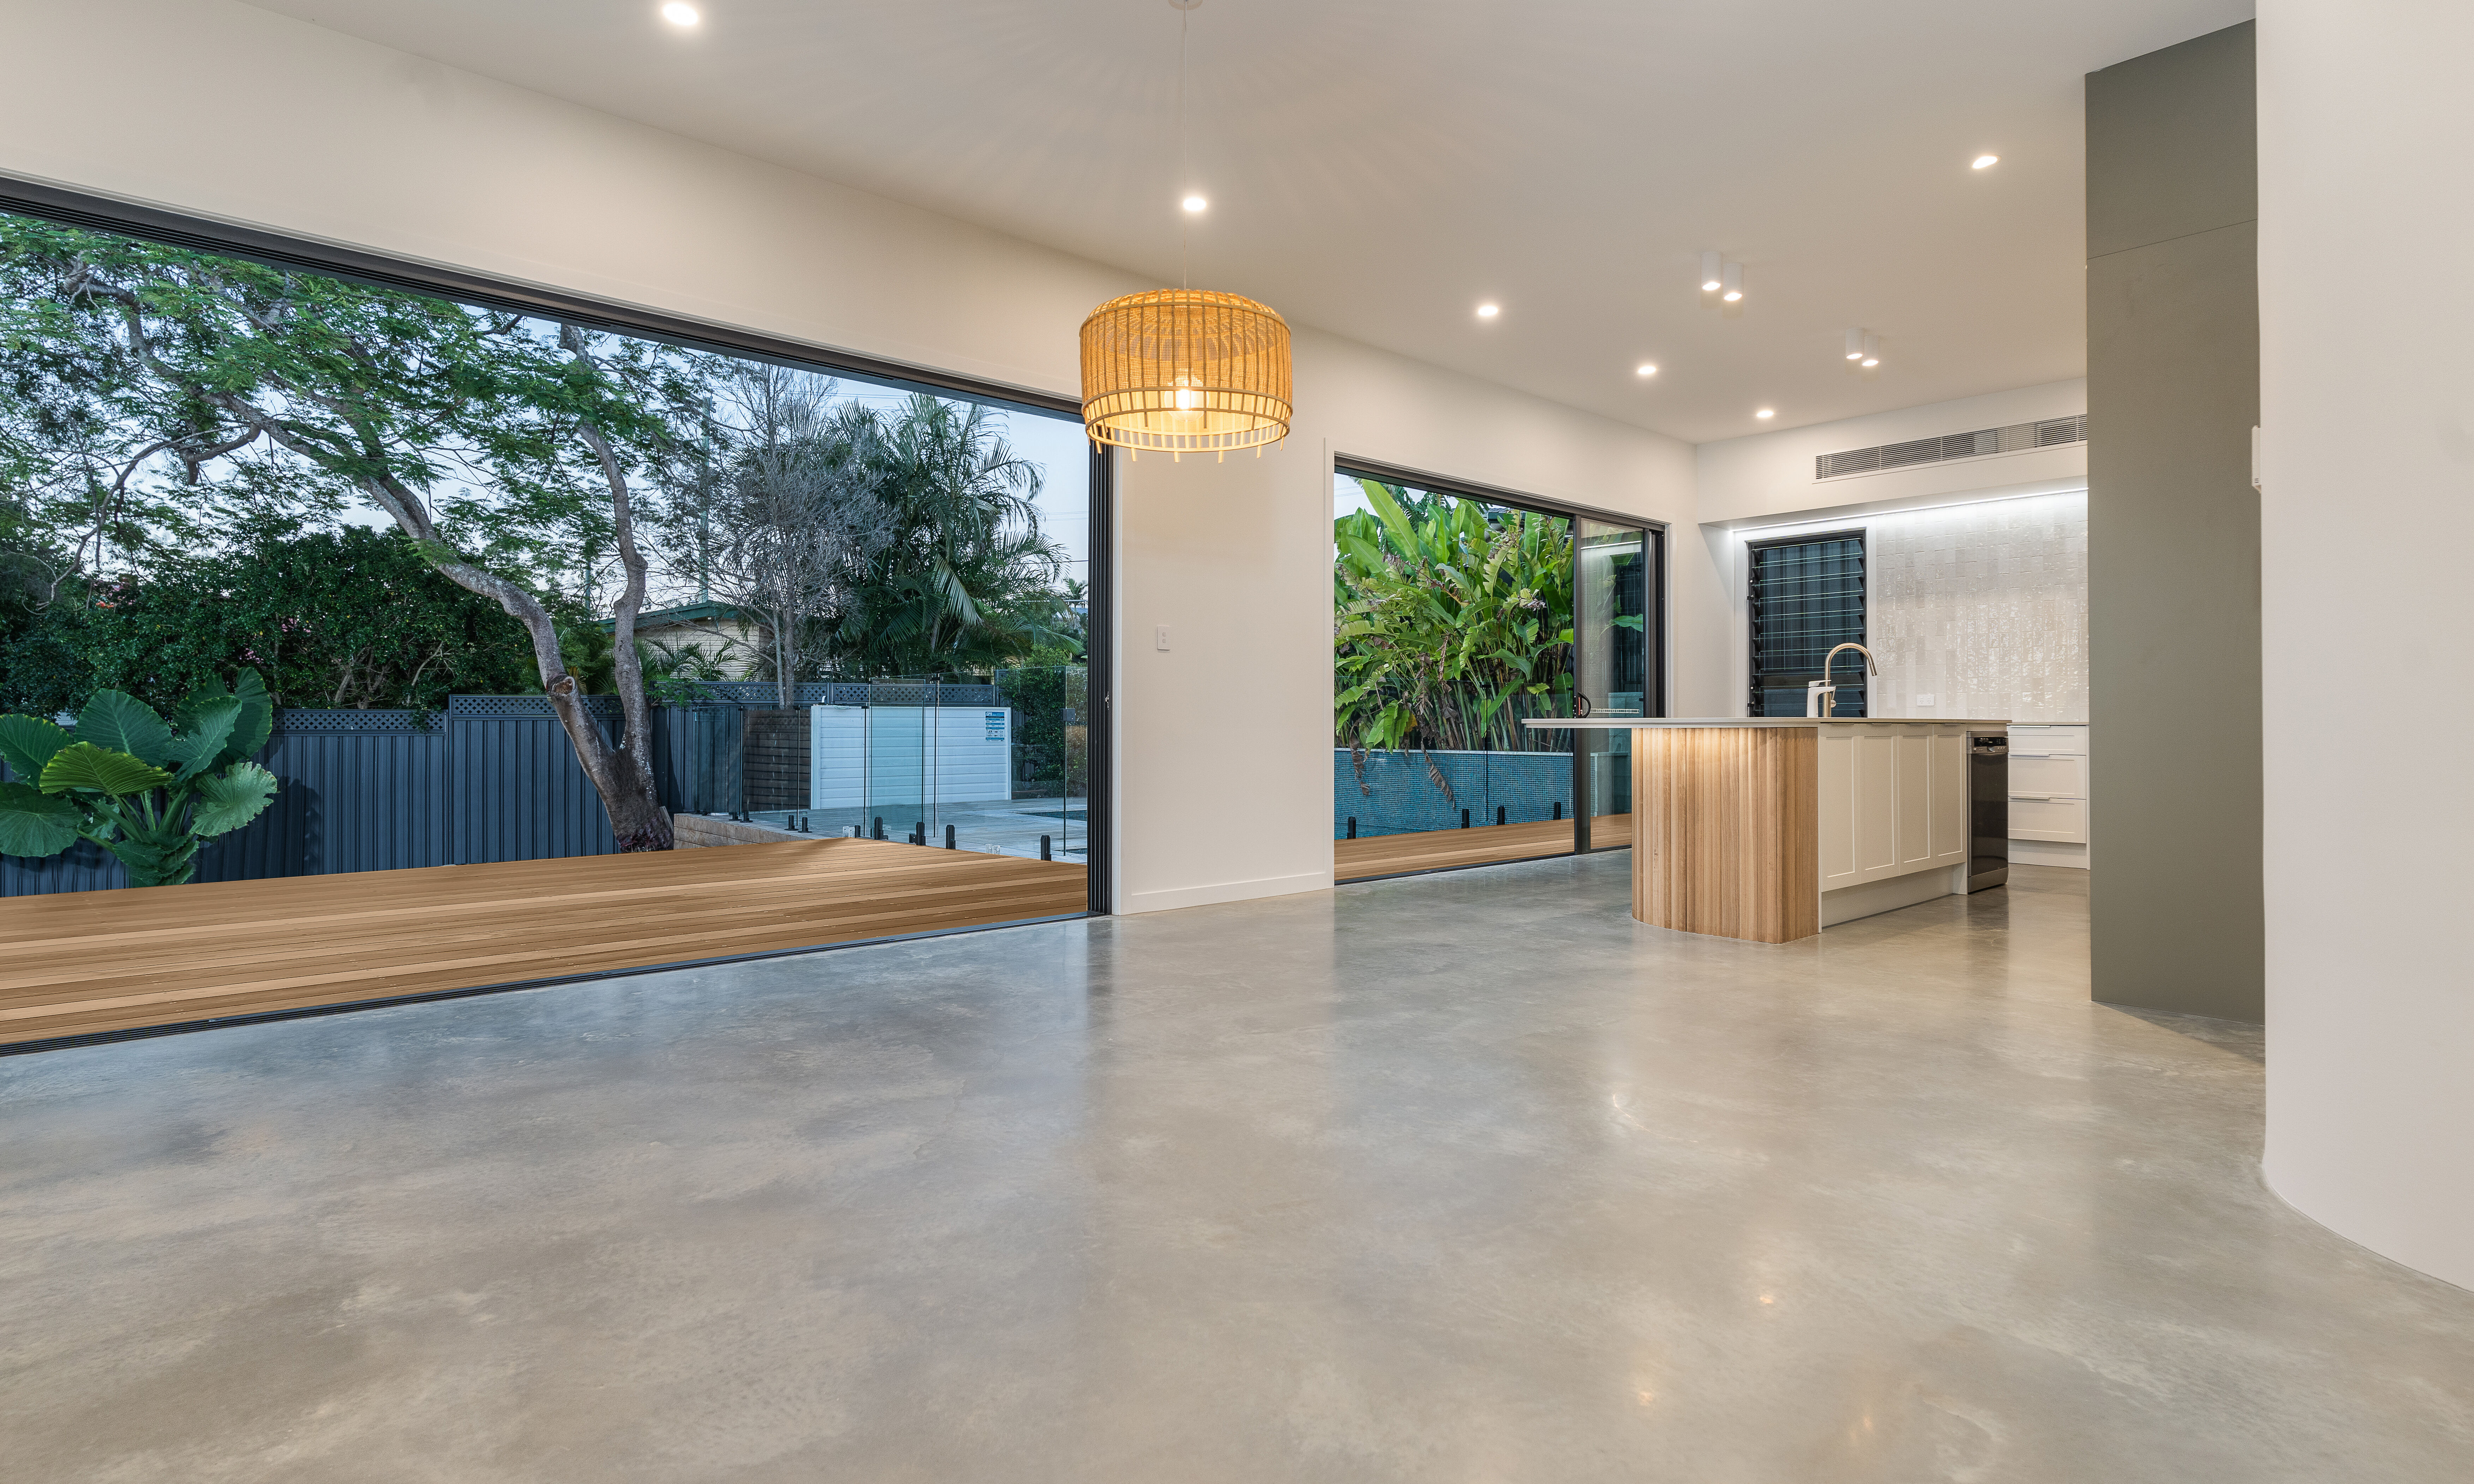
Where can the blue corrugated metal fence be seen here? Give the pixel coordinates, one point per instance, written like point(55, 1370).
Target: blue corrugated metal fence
point(493, 780)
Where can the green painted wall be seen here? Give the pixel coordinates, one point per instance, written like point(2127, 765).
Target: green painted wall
point(2173, 695)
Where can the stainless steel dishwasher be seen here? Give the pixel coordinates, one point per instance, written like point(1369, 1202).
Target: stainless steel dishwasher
point(1988, 809)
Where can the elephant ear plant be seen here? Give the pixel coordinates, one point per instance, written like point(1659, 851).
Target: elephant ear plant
point(147, 790)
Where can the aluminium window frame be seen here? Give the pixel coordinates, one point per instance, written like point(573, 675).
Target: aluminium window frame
point(98, 212)
point(1657, 700)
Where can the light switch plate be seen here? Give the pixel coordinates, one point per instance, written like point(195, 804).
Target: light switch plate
point(1163, 635)
point(1924, 700)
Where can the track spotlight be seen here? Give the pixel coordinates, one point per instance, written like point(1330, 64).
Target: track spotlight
point(1733, 278)
point(1708, 272)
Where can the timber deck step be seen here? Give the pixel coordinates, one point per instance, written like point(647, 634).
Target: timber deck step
point(80, 963)
point(1481, 844)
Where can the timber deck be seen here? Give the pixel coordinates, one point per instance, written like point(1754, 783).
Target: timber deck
point(79, 962)
point(1481, 844)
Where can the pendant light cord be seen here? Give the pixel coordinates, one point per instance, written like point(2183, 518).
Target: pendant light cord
point(1185, 218)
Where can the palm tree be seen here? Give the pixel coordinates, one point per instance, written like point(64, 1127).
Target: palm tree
point(965, 581)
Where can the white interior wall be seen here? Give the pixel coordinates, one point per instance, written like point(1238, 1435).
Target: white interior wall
point(1233, 722)
point(1981, 605)
point(232, 112)
point(2367, 419)
point(1979, 565)
point(229, 112)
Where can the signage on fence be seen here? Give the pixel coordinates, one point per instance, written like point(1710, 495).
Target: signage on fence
point(997, 726)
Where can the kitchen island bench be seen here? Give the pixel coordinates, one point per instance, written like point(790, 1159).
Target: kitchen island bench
point(1773, 827)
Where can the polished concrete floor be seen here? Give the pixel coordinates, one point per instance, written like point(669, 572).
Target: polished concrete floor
point(1457, 1178)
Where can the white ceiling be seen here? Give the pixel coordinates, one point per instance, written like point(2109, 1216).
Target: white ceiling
point(1376, 170)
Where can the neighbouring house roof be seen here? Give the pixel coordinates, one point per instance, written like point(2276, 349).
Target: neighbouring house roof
point(687, 616)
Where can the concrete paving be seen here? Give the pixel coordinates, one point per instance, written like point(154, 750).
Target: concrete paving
point(1463, 1177)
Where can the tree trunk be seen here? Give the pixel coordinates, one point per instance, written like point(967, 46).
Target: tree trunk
point(622, 774)
point(635, 813)
point(789, 662)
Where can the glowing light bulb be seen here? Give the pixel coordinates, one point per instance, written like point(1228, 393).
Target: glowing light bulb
point(1766, 412)
point(1985, 162)
point(1646, 368)
point(679, 14)
point(1871, 362)
point(1195, 203)
point(1489, 311)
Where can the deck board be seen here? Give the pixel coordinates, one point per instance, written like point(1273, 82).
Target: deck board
point(1481, 844)
point(83, 961)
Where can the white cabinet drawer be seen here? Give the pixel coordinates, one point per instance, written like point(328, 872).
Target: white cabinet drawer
point(2062, 819)
point(2056, 778)
point(2049, 740)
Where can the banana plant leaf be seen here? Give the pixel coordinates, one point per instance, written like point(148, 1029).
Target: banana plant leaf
point(256, 719)
point(206, 732)
point(154, 862)
point(34, 823)
point(1443, 612)
point(82, 765)
point(27, 743)
point(124, 724)
point(229, 799)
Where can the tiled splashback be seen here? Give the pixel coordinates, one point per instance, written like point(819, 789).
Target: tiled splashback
point(1981, 607)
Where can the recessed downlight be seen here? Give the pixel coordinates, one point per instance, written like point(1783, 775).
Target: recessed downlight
point(1646, 368)
point(679, 14)
point(1985, 162)
point(1195, 203)
point(1489, 311)
point(1766, 412)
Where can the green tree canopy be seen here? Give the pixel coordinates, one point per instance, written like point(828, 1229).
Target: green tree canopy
point(502, 446)
point(964, 580)
point(350, 618)
point(1453, 620)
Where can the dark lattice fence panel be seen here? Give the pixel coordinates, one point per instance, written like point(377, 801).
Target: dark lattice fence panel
point(494, 778)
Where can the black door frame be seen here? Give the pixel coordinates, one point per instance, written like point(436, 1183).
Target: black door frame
point(103, 213)
point(1653, 532)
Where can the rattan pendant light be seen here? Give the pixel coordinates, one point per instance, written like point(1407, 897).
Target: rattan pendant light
point(1186, 370)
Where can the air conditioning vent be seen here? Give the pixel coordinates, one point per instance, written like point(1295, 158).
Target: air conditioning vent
point(1983, 442)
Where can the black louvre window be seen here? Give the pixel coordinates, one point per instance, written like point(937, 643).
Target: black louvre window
point(1808, 595)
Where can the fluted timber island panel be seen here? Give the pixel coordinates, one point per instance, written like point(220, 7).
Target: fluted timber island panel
point(1725, 838)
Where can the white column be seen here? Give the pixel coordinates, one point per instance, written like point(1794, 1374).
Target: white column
point(2367, 319)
